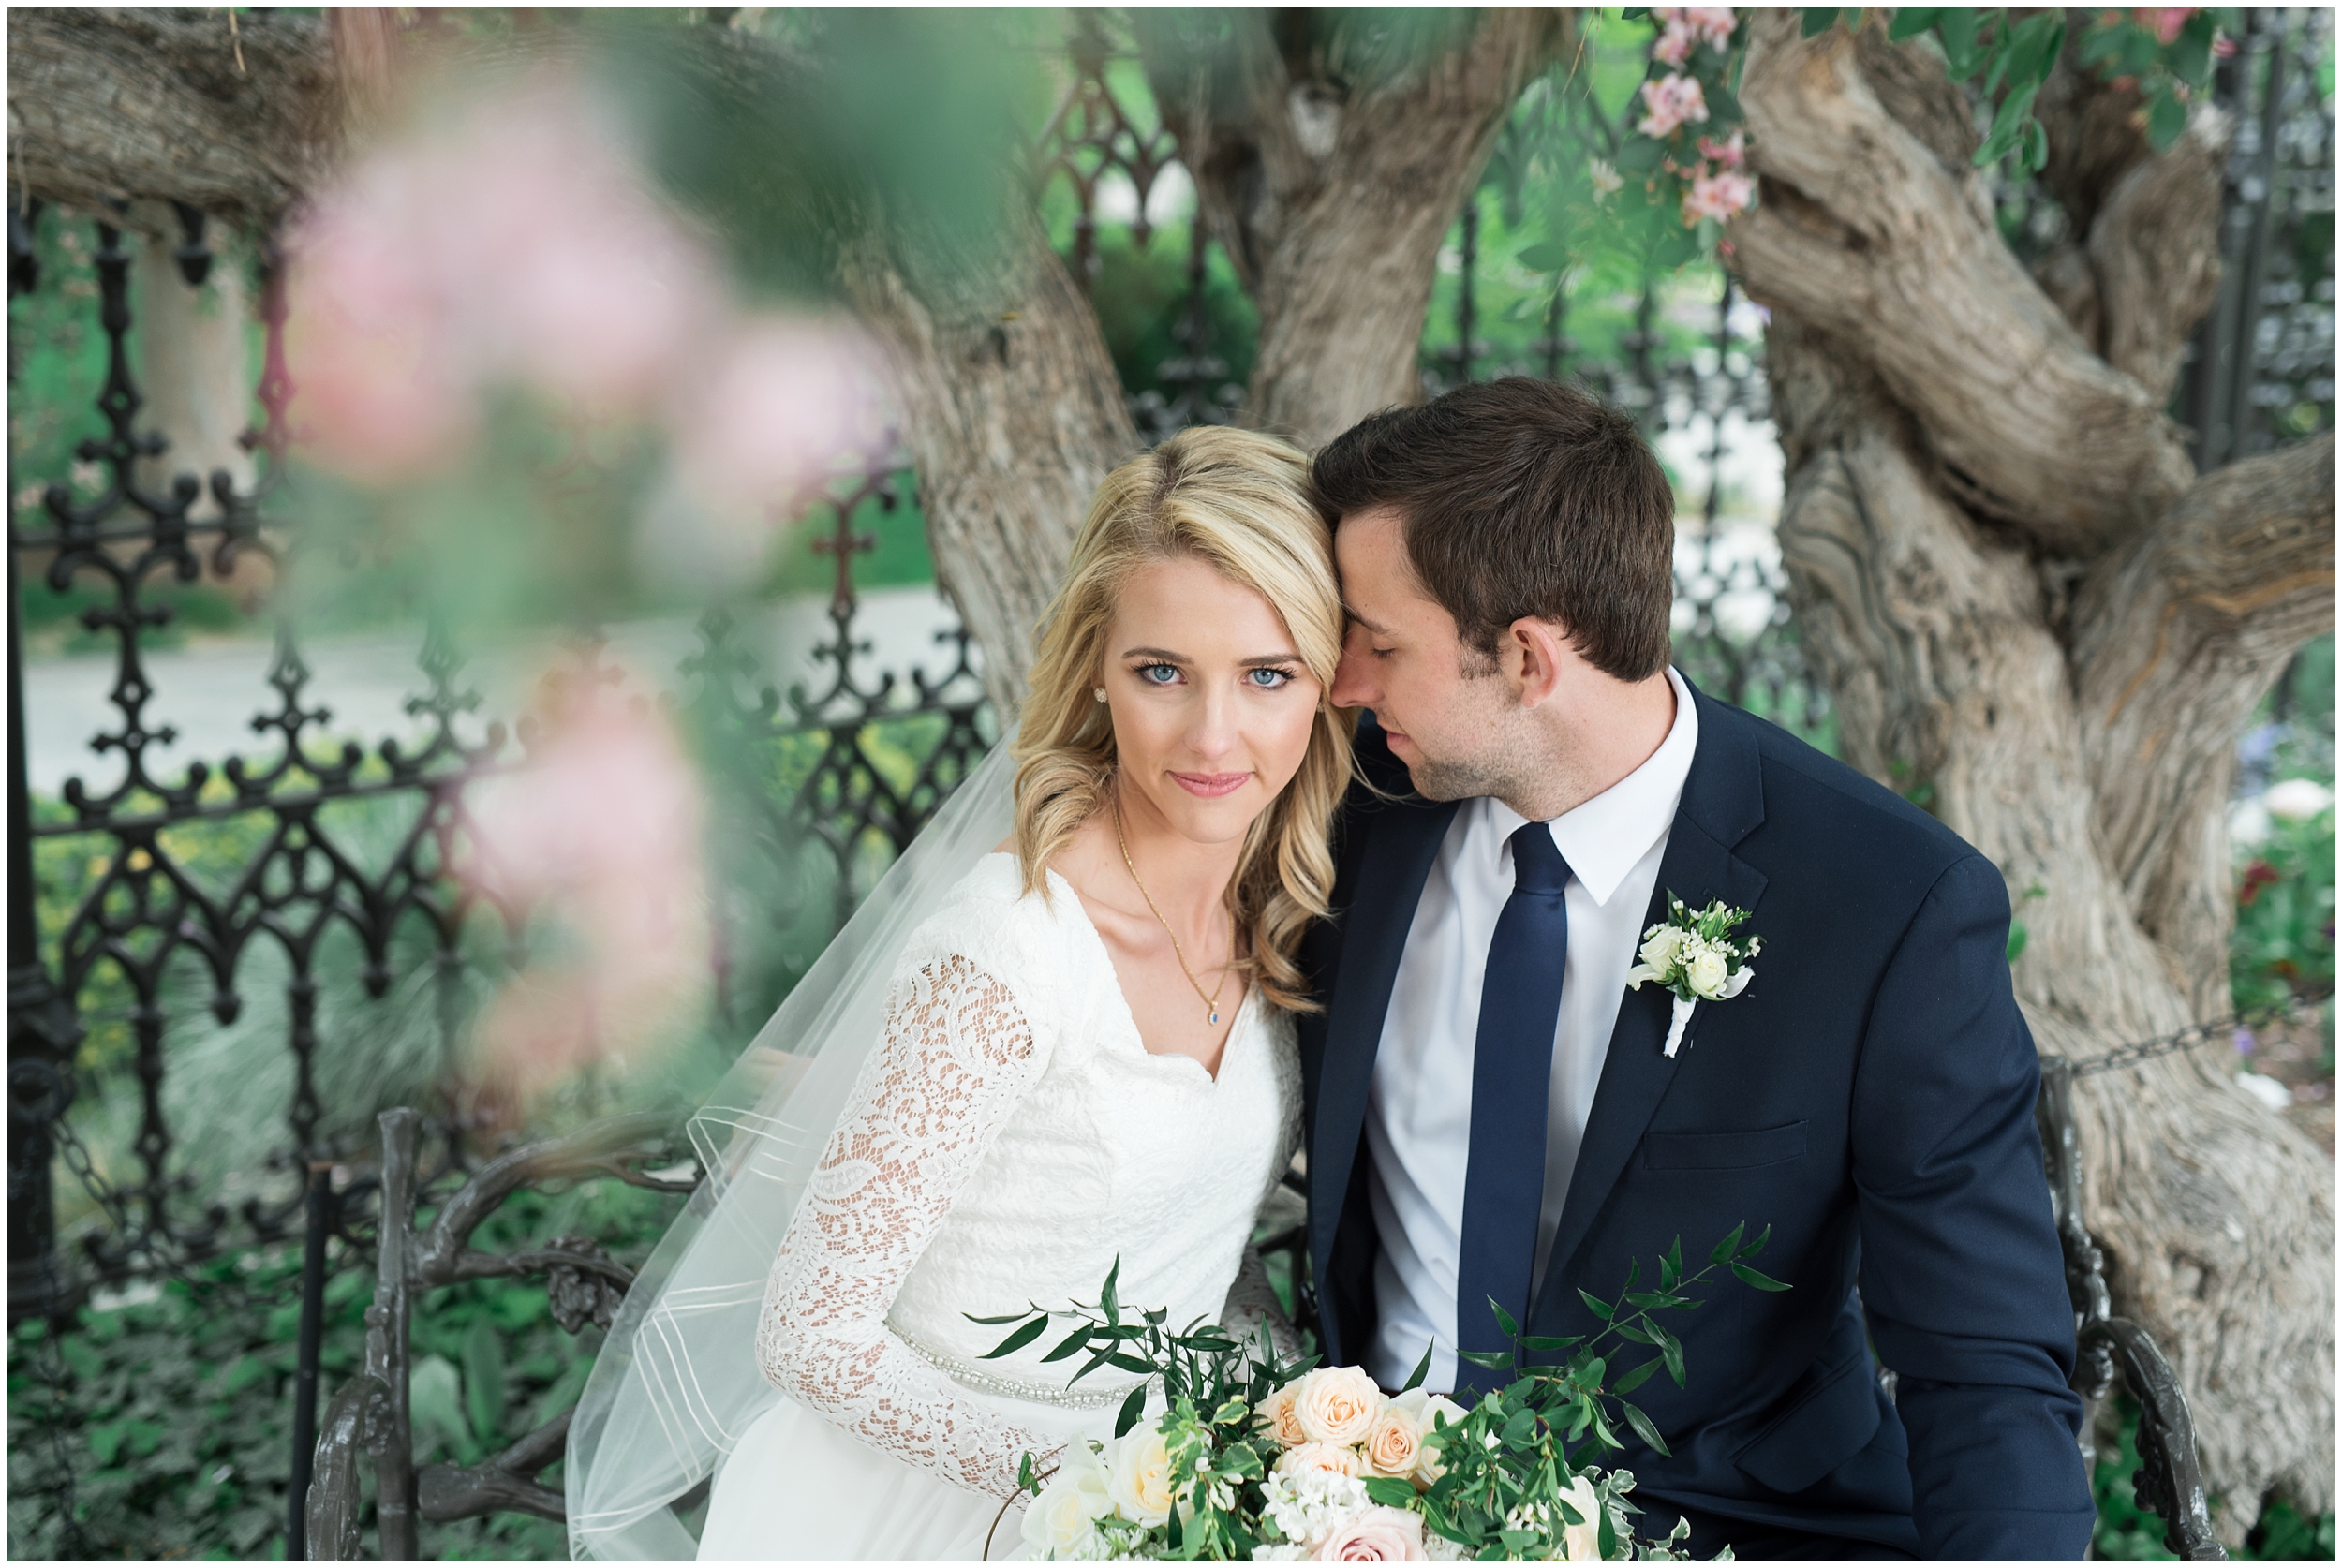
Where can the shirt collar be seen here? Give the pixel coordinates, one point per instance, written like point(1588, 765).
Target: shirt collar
point(1605, 836)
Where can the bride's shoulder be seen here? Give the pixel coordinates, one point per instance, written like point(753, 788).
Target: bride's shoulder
point(989, 918)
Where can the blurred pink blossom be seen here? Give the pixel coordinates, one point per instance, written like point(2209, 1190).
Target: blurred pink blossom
point(599, 834)
point(2164, 21)
point(1674, 45)
point(1729, 153)
point(792, 402)
point(511, 241)
point(1671, 101)
point(1718, 196)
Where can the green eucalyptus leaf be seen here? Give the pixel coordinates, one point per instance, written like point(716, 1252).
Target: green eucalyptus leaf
point(1748, 1276)
point(1956, 25)
point(1911, 20)
point(1724, 1250)
point(1132, 1408)
point(995, 1322)
point(1544, 1342)
point(1106, 1299)
point(1019, 1340)
point(1595, 1305)
point(1629, 1382)
point(1422, 1370)
point(1495, 1361)
point(1504, 1323)
point(1389, 1493)
point(1069, 1345)
point(1756, 1246)
point(1643, 1428)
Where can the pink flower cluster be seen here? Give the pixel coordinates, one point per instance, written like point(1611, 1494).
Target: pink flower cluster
point(1716, 184)
point(1669, 102)
point(509, 241)
point(1685, 28)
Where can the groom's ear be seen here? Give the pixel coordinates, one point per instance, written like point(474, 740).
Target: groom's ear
point(1537, 658)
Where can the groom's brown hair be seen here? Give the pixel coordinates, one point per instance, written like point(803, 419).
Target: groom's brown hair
point(1522, 497)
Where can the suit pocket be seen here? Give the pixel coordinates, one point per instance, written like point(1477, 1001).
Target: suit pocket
point(1817, 1434)
point(1723, 1151)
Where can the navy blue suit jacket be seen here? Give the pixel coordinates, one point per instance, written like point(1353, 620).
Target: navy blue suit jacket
point(1870, 1097)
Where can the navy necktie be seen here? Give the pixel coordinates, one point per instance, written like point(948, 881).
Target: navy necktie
point(1512, 1067)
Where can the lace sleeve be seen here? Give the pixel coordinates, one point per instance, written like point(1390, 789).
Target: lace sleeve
point(960, 1055)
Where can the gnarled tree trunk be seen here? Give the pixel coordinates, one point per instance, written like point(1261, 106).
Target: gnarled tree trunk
point(2027, 602)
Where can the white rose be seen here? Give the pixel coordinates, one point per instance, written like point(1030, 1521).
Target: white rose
point(1583, 1543)
point(1062, 1519)
point(1337, 1404)
point(1660, 948)
point(1139, 1481)
point(1706, 972)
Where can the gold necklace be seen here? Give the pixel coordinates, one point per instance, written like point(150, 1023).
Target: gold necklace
point(1211, 1002)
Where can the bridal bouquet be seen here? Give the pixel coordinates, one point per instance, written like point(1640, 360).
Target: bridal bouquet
point(1271, 1460)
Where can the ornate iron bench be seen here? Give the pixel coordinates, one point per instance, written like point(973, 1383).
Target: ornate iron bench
point(371, 1412)
point(2170, 1482)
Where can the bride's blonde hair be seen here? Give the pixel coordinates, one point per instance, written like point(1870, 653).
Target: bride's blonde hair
point(1240, 502)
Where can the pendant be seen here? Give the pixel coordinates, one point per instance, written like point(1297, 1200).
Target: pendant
point(1215, 1015)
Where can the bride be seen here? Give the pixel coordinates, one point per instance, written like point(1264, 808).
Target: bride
point(1011, 1069)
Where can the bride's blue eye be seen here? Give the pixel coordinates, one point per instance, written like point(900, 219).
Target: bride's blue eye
point(1158, 674)
point(1268, 679)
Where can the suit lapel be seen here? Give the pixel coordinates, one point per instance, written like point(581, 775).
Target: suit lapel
point(1723, 801)
point(1393, 864)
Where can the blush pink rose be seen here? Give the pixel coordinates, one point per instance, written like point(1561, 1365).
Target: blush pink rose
point(1378, 1534)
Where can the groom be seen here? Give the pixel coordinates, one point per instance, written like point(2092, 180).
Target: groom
point(1491, 1112)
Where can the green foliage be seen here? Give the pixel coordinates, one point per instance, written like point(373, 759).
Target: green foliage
point(173, 1407)
point(2014, 50)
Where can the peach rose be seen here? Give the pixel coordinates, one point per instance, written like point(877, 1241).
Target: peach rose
point(1393, 1445)
point(1277, 1412)
point(1426, 1410)
point(1337, 1404)
point(1378, 1534)
point(1335, 1456)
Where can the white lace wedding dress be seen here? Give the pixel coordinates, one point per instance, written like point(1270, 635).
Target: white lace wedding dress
point(1010, 1140)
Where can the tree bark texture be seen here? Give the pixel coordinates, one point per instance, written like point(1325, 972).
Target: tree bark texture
point(2034, 615)
point(114, 103)
point(1331, 189)
point(1012, 413)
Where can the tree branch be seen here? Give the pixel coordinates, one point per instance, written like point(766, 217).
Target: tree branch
point(1012, 415)
point(2175, 641)
point(1331, 187)
point(125, 103)
point(1863, 222)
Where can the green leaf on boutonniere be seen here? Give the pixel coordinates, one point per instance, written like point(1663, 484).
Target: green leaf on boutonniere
point(1748, 1276)
point(1643, 1428)
point(1629, 1382)
point(1724, 1250)
point(1598, 1307)
point(1422, 1370)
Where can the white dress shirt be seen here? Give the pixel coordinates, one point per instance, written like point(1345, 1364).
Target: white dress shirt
point(1418, 1119)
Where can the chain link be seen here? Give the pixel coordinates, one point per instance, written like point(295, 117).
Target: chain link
point(2193, 1035)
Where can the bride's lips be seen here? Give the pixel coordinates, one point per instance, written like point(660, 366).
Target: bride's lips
point(1211, 786)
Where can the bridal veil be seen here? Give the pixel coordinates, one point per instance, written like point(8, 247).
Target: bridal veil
point(677, 1382)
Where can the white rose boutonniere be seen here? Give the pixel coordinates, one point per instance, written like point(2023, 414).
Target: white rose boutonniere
point(1696, 954)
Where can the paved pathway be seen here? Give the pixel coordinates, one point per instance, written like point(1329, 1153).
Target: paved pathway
point(210, 693)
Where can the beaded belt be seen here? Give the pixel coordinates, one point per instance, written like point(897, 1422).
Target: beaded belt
point(984, 1380)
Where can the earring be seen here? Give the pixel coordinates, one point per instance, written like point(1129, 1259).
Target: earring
point(1099, 692)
